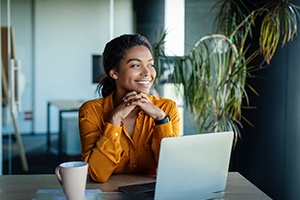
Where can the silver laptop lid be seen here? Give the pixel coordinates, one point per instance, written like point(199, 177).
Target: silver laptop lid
point(194, 166)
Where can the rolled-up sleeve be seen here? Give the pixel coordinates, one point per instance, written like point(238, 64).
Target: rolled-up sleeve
point(100, 145)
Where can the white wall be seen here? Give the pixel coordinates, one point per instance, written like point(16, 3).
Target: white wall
point(67, 33)
point(55, 41)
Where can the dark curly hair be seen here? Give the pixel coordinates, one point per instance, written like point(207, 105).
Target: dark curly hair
point(113, 53)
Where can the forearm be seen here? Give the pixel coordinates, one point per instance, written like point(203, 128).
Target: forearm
point(105, 154)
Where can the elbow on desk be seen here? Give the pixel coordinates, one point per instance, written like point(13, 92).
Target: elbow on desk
point(100, 178)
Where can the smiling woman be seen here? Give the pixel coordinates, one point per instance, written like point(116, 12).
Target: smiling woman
point(121, 132)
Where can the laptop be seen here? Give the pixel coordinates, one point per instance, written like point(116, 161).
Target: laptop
point(190, 167)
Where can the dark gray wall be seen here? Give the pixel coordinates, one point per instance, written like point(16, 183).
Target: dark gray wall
point(260, 153)
point(292, 129)
point(149, 18)
point(268, 154)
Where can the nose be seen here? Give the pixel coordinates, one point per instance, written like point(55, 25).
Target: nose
point(145, 70)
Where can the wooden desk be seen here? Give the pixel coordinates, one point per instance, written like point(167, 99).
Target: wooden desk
point(19, 187)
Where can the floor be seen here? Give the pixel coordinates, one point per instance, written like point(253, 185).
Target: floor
point(40, 160)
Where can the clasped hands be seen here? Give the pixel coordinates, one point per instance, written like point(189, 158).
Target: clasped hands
point(130, 102)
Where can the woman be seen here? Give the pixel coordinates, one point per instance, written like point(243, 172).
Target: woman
point(121, 132)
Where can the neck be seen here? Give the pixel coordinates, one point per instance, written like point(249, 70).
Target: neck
point(118, 97)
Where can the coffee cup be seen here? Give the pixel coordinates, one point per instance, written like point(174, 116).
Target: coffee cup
point(72, 176)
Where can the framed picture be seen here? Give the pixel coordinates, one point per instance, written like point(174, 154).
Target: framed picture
point(98, 70)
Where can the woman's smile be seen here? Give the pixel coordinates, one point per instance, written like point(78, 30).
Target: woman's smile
point(145, 82)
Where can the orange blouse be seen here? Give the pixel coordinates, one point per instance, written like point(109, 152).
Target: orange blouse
point(110, 150)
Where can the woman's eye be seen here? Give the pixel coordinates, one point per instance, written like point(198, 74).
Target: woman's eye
point(135, 65)
point(138, 65)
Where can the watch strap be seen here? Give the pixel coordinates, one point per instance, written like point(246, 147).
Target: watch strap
point(163, 121)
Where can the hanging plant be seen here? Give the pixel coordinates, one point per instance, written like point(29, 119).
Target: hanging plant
point(280, 20)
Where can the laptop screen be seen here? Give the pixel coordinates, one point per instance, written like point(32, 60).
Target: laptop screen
point(194, 166)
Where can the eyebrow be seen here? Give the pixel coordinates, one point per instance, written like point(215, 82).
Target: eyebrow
point(139, 60)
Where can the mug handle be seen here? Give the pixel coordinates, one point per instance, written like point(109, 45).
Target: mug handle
point(57, 173)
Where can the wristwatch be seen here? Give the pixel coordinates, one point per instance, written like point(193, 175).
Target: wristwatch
point(163, 121)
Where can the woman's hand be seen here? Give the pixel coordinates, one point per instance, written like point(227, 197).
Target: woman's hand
point(132, 100)
point(120, 112)
point(141, 100)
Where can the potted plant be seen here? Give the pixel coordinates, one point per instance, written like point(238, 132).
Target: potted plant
point(213, 74)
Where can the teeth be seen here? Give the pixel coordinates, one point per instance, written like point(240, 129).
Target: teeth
point(143, 82)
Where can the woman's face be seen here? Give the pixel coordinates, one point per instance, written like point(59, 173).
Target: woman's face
point(136, 71)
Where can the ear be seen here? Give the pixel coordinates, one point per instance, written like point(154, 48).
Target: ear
point(113, 73)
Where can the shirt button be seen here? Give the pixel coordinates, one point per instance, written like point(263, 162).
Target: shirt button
point(116, 134)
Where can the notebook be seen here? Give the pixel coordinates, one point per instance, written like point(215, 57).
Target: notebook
point(190, 167)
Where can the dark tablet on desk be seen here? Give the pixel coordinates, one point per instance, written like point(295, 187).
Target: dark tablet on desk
point(139, 188)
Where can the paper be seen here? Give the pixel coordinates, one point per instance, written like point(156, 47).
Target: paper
point(58, 194)
point(60, 191)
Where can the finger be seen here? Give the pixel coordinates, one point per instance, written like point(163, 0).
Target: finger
point(144, 96)
point(144, 100)
point(129, 96)
point(133, 97)
point(139, 96)
point(142, 103)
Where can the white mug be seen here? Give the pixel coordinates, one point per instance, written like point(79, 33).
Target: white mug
point(72, 176)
